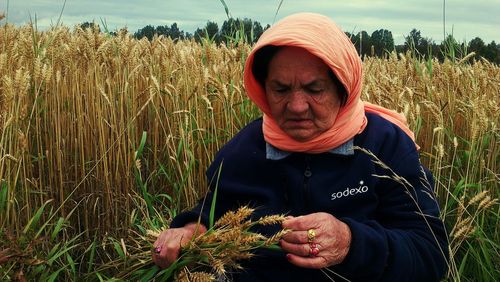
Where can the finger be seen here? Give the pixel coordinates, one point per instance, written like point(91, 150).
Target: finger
point(296, 237)
point(160, 239)
point(157, 259)
point(198, 229)
point(307, 262)
point(169, 244)
point(153, 256)
point(160, 262)
point(171, 250)
point(296, 249)
point(304, 222)
point(295, 223)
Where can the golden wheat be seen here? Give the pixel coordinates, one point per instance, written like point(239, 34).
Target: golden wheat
point(74, 104)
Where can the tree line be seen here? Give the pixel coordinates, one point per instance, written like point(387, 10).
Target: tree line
point(379, 43)
point(232, 30)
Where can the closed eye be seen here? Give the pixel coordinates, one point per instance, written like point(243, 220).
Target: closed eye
point(281, 90)
point(314, 91)
point(314, 87)
point(279, 87)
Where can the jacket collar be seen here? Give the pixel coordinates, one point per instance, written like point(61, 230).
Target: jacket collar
point(275, 154)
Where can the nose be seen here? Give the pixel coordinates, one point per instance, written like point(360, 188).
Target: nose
point(298, 102)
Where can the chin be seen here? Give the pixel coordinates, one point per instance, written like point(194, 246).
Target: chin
point(301, 137)
point(300, 134)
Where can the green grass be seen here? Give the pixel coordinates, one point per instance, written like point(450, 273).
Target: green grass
point(95, 153)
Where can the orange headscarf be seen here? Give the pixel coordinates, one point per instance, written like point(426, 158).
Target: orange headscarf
point(320, 36)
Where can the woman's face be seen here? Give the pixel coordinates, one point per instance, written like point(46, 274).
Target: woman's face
point(301, 95)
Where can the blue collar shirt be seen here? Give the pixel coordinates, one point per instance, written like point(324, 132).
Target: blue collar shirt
point(275, 154)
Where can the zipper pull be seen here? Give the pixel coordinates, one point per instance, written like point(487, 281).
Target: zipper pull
point(308, 172)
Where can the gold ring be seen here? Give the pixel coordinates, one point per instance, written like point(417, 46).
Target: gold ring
point(311, 235)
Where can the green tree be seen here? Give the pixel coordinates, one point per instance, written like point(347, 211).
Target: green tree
point(382, 41)
point(258, 30)
point(211, 30)
point(162, 30)
point(171, 31)
point(362, 41)
point(419, 45)
point(478, 46)
point(91, 25)
point(492, 52)
point(451, 49)
point(175, 32)
point(413, 40)
point(148, 31)
point(240, 30)
point(354, 38)
point(356, 41)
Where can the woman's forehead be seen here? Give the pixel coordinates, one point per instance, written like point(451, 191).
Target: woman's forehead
point(296, 61)
point(294, 53)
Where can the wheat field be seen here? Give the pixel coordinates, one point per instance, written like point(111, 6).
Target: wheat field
point(102, 137)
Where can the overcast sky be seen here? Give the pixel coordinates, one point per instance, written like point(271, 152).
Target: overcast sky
point(466, 19)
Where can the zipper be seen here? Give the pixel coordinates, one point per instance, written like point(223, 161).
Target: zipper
point(307, 176)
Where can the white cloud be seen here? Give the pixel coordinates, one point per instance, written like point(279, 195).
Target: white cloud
point(467, 19)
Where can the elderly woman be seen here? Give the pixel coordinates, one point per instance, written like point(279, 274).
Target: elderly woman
point(358, 218)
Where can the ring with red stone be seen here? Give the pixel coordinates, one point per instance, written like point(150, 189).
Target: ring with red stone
point(314, 250)
point(157, 250)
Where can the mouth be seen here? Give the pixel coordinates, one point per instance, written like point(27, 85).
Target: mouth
point(298, 123)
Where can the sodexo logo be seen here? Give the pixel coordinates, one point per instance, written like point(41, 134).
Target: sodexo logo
point(350, 191)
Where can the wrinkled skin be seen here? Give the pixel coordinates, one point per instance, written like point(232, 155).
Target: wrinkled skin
point(303, 99)
point(333, 238)
point(171, 241)
point(304, 102)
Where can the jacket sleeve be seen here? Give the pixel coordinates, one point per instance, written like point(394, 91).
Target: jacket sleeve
point(222, 174)
point(201, 211)
point(198, 213)
point(406, 240)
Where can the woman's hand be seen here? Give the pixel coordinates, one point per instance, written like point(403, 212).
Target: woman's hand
point(167, 247)
point(317, 240)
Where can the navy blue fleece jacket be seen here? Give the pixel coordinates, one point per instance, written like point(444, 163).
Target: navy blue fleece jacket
point(396, 231)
